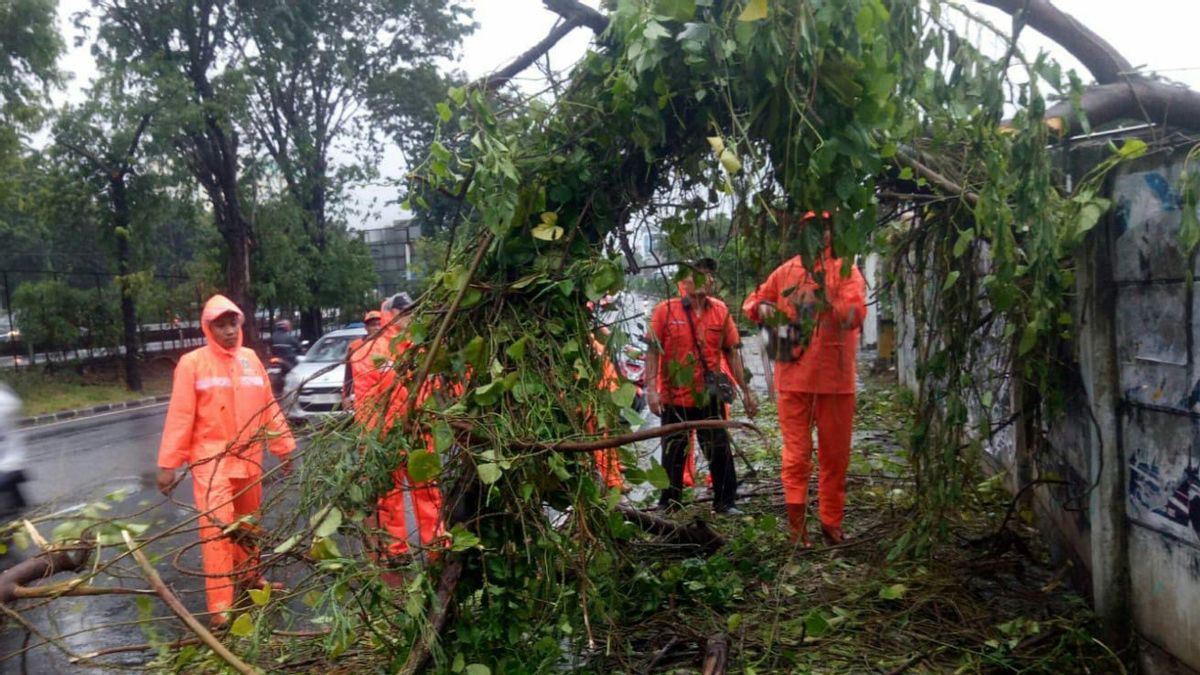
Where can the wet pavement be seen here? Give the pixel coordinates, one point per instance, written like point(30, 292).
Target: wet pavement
point(71, 466)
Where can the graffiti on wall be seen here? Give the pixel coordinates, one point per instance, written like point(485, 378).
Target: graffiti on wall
point(1174, 499)
point(1156, 330)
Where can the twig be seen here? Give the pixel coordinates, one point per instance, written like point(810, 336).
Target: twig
point(661, 654)
point(74, 587)
point(436, 344)
point(437, 618)
point(633, 437)
point(176, 606)
point(146, 646)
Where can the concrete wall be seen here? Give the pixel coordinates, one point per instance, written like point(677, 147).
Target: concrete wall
point(1124, 453)
point(1157, 326)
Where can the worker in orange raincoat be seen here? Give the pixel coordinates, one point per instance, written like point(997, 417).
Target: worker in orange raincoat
point(358, 362)
point(817, 385)
point(222, 413)
point(694, 332)
point(608, 461)
point(381, 398)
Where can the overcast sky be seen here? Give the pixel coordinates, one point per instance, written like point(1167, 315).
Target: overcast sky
point(1154, 34)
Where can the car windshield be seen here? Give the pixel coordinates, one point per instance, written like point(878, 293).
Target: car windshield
point(329, 349)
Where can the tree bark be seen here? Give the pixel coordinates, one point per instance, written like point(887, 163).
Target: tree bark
point(120, 205)
point(1101, 59)
point(1140, 99)
point(45, 565)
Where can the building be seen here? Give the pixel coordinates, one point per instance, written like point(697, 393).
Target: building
point(392, 250)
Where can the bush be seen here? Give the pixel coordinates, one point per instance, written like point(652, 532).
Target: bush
point(54, 316)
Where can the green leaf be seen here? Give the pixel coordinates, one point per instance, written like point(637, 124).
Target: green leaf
point(424, 466)
point(461, 539)
point(1029, 338)
point(655, 30)
point(733, 622)
point(755, 10)
point(288, 544)
point(443, 437)
point(624, 395)
point(893, 592)
point(950, 279)
point(631, 418)
point(516, 351)
point(964, 240)
point(443, 111)
point(815, 624)
point(489, 472)
point(458, 95)
point(657, 475)
point(458, 664)
point(1132, 149)
point(676, 10)
point(243, 626)
point(261, 596)
point(478, 669)
point(547, 232)
point(1089, 215)
point(330, 523)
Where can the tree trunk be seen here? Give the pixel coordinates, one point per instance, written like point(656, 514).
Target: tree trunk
point(310, 323)
point(237, 277)
point(120, 204)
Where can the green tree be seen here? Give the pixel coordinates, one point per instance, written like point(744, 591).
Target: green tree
point(107, 134)
point(311, 66)
point(183, 55)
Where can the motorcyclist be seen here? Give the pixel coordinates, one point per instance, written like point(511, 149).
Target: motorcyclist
point(284, 344)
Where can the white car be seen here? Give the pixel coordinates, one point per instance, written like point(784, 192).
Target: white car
point(313, 389)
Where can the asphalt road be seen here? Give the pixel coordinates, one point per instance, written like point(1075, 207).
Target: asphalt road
point(108, 459)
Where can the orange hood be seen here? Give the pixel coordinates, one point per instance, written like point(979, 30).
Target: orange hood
point(215, 307)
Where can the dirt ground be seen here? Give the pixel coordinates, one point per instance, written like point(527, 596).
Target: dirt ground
point(982, 601)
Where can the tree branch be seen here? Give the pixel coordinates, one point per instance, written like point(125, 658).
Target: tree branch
point(1101, 59)
point(502, 76)
point(576, 12)
point(1142, 99)
point(182, 612)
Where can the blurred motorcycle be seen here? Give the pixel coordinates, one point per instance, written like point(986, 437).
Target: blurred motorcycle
point(12, 456)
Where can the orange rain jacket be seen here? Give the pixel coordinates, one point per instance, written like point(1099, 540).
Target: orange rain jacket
point(827, 365)
point(221, 414)
point(222, 408)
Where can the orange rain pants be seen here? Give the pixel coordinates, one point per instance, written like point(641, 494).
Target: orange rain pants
point(833, 415)
point(226, 499)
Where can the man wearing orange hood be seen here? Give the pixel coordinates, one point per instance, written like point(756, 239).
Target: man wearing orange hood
point(222, 413)
point(381, 399)
point(816, 382)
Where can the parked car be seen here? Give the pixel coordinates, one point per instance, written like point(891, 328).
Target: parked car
point(313, 388)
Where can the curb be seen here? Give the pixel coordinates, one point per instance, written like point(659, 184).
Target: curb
point(37, 420)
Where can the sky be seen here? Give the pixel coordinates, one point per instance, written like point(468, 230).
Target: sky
point(1152, 34)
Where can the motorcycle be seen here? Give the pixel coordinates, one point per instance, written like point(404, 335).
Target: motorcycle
point(283, 359)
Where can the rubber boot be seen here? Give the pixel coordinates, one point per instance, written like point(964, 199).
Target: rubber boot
point(798, 532)
point(833, 534)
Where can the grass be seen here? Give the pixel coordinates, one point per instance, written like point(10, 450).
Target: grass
point(70, 387)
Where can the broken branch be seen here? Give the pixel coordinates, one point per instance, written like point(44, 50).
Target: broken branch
point(176, 606)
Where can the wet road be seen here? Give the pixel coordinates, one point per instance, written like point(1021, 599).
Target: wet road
point(107, 459)
point(71, 462)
